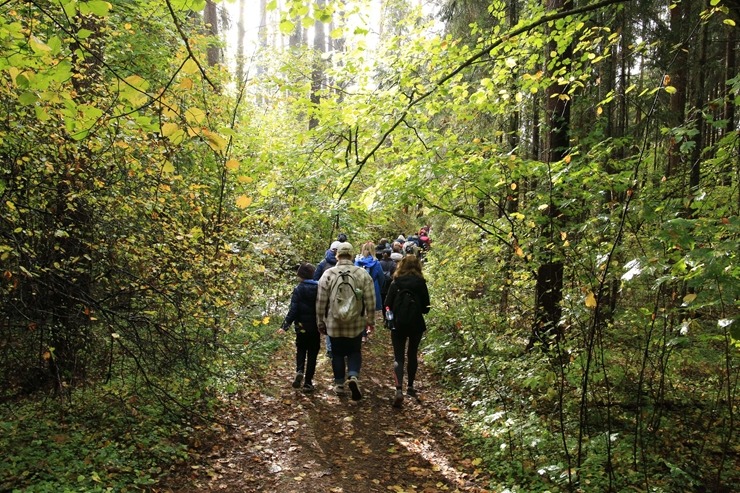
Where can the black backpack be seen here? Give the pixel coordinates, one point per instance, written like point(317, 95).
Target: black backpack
point(406, 310)
point(387, 280)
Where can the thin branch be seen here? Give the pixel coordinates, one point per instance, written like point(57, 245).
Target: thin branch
point(187, 46)
point(467, 63)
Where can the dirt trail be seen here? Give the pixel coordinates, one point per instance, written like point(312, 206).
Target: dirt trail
point(282, 440)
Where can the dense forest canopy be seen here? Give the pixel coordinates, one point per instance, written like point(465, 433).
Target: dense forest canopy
point(163, 169)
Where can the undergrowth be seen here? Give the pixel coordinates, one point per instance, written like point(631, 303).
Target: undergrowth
point(524, 415)
point(123, 435)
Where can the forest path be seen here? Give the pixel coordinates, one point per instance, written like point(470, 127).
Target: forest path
point(282, 440)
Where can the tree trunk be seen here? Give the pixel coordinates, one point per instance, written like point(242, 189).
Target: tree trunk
point(240, 35)
point(210, 17)
point(317, 75)
point(549, 282)
point(679, 81)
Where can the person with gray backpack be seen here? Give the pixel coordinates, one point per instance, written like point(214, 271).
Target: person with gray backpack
point(345, 307)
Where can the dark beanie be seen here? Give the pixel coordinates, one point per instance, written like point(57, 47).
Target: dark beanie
point(305, 271)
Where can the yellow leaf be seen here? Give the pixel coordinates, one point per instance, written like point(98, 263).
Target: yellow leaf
point(232, 164)
point(244, 179)
point(476, 462)
point(243, 202)
point(519, 251)
point(513, 186)
point(689, 298)
point(567, 159)
point(38, 46)
point(599, 110)
point(186, 83)
point(215, 141)
point(190, 67)
point(169, 128)
point(670, 89)
point(168, 167)
point(195, 115)
point(563, 235)
point(591, 300)
point(265, 320)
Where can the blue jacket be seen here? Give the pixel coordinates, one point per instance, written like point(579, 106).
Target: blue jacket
point(329, 261)
point(302, 309)
point(372, 266)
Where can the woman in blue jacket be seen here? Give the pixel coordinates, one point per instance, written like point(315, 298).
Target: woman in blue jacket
point(368, 261)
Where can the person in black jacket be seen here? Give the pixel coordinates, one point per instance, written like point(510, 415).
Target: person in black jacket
point(407, 277)
point(302, 311)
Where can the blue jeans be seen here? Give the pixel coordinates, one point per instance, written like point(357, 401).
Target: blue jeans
point(328, 344)
point(351, 348)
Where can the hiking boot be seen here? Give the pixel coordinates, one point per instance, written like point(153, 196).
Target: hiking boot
point(354, 387)
point(308, 387)
point(297, 380)
point(339, 389)
point(398, 400)
point(411, 392)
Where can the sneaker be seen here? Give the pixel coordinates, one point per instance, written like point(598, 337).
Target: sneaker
point(339, 389)
point(308, 387)
point(398, 400)
point(354, 387)
point(411, 392)
point(297, 380)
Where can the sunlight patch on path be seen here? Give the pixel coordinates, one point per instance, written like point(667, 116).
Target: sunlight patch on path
point(439, 462)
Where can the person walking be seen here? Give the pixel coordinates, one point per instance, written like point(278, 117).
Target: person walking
point(345, 306)
point(389, 267)
point(408, 299)
point(329, 261)
point(367, 261)
point(302, 311)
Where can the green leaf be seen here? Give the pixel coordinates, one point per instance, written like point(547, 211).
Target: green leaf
point(28, 98)
point(96, 7)
point(194, 5)
point(287, 26)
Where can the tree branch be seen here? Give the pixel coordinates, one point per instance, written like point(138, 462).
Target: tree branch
point(467, 63)
point(187, 46)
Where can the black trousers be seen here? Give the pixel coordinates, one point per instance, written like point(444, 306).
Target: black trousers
point(307, 345)
point(405, 354)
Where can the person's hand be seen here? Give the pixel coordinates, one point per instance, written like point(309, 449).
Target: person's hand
point(281, 331)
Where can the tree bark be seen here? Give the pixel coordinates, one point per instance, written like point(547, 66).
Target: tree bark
point(549, 282)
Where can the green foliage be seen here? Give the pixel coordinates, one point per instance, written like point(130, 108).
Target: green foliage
point(151, 218)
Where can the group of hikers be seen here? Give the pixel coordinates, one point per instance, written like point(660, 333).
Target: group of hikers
point(343, 296)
